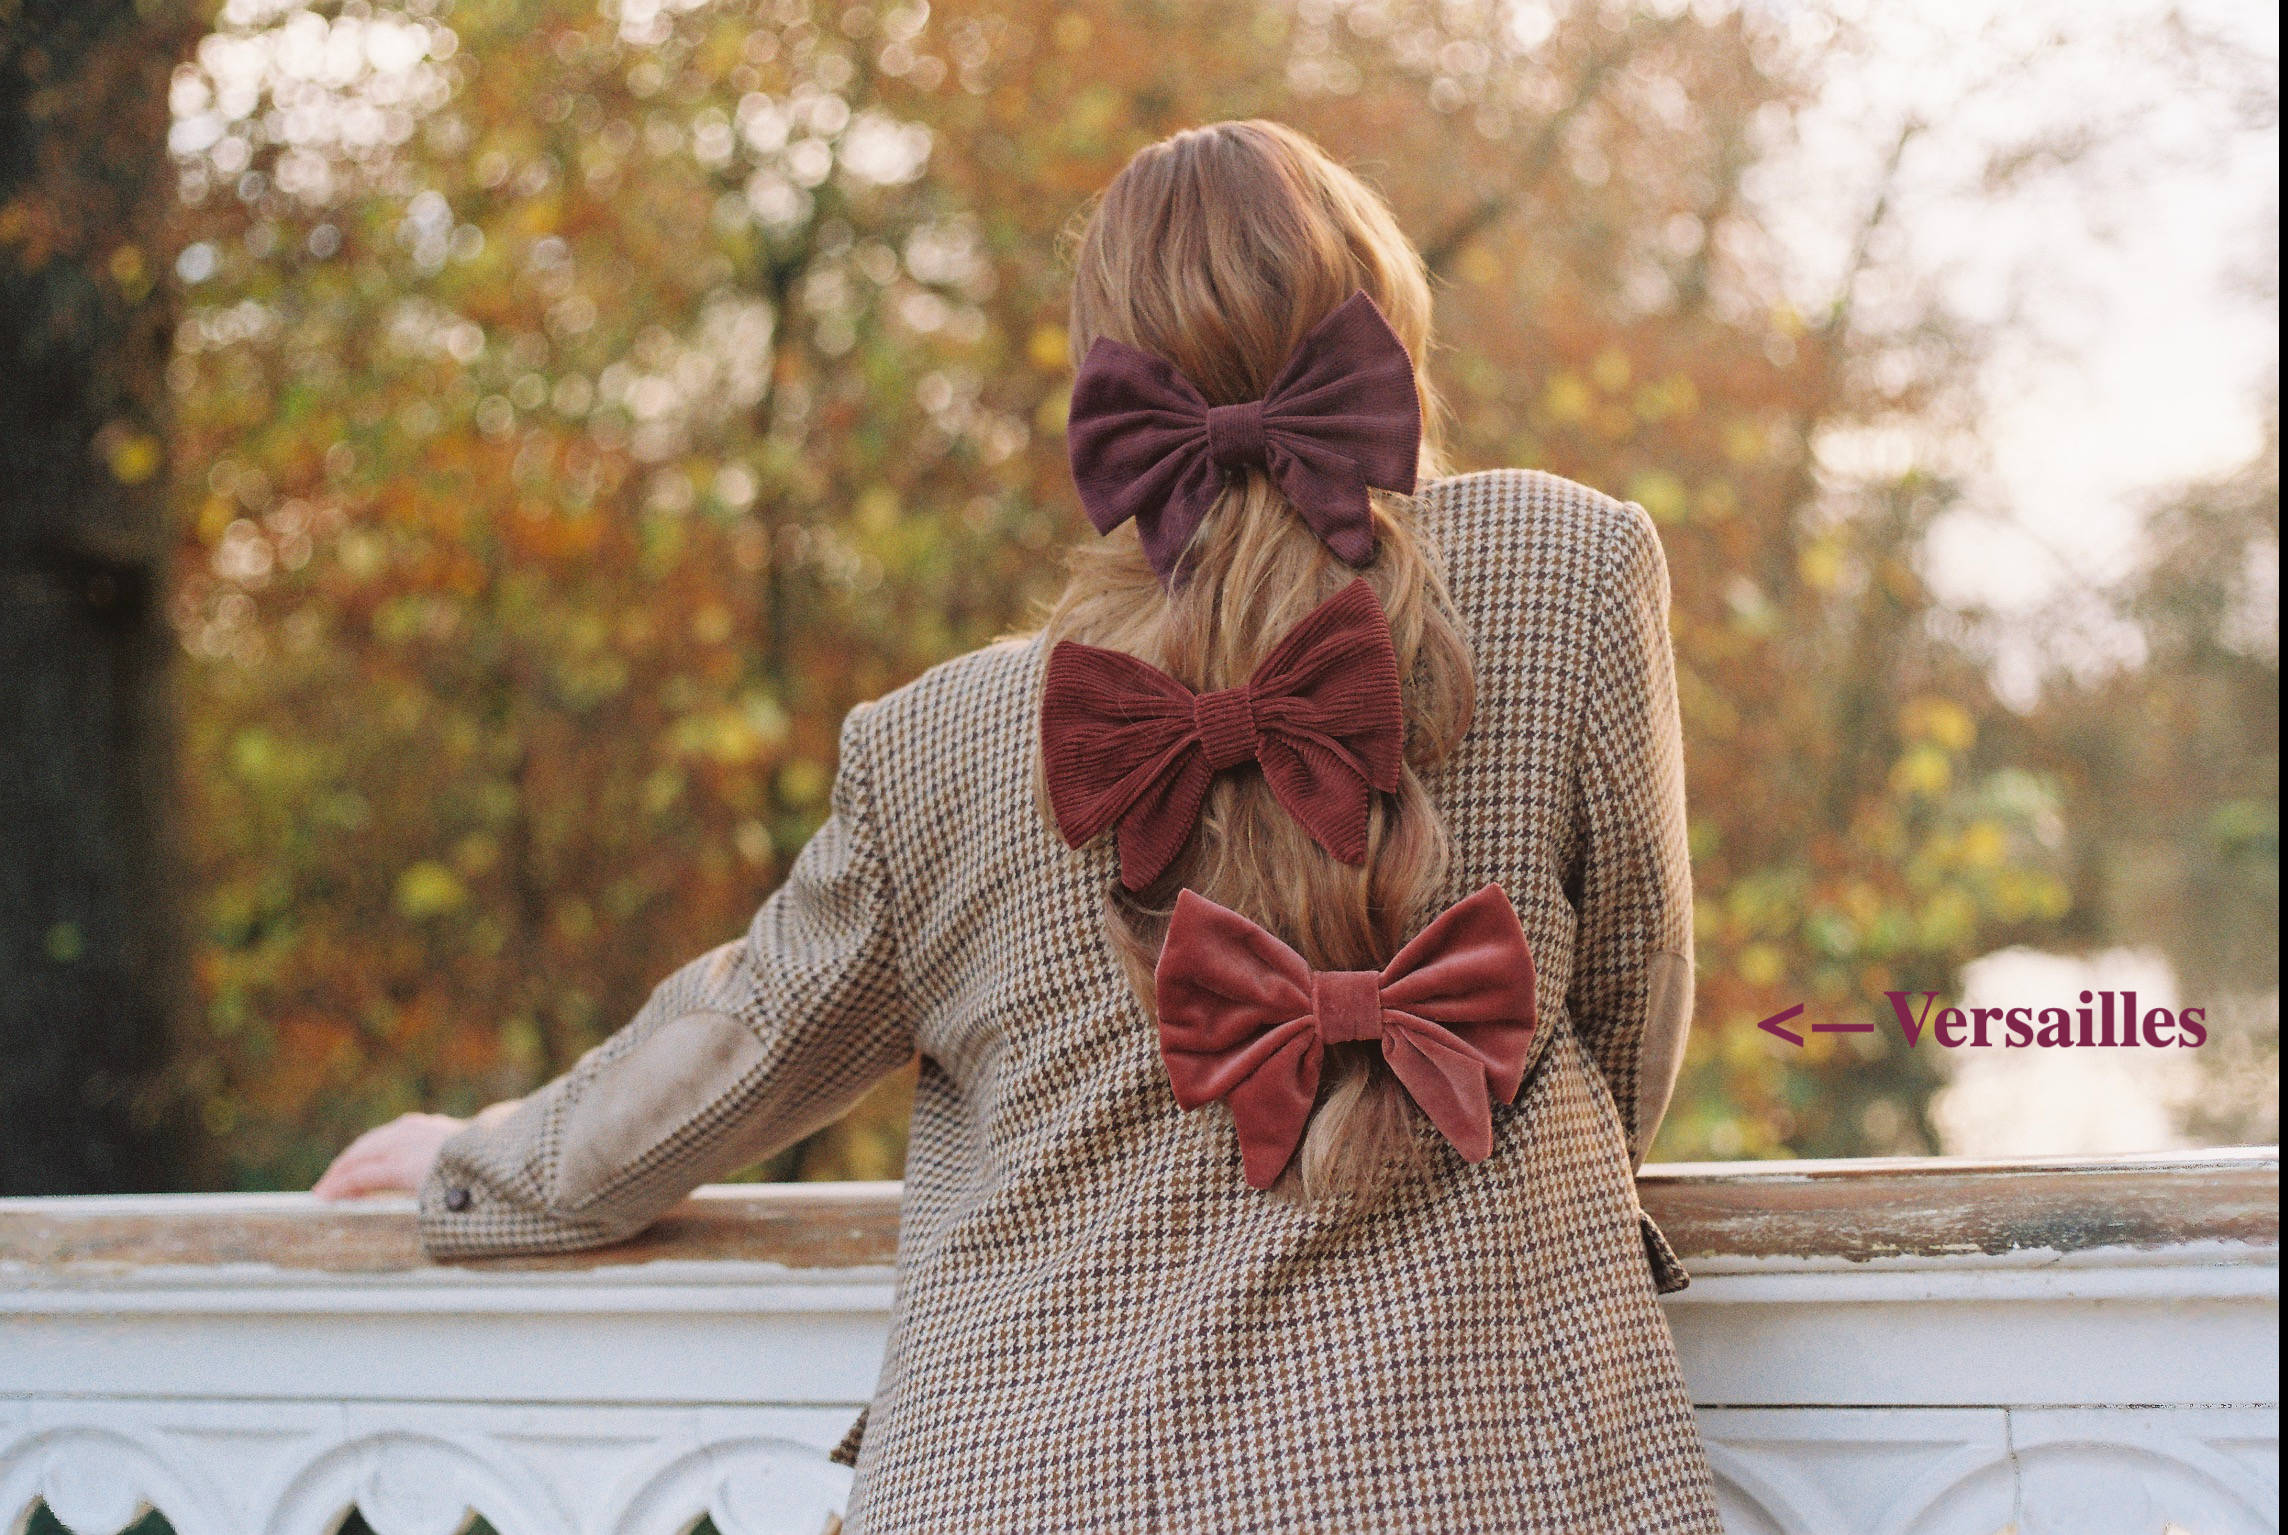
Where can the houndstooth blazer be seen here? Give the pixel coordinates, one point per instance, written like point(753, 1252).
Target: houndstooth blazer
point(1099, 1325)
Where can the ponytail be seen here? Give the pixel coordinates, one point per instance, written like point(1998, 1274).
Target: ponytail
point(1218, 250)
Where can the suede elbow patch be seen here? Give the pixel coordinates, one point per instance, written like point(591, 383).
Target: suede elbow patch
point(641, 1100)
point(1668, 1015)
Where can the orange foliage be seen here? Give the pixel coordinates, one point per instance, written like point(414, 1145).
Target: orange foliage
point(658, 382)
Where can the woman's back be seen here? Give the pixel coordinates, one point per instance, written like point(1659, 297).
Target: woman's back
point(1100, 1324)
point(1271, 1160)
point(1549, 578)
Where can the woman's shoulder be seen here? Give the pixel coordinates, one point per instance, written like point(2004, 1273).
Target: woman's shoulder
point(1496, 515)
point(947, 763)
point(1512, 536)
point(956, 712)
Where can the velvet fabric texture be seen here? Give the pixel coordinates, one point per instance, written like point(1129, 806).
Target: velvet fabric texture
point(1123, 742)
point(1342, 415)
point(1243, 1019)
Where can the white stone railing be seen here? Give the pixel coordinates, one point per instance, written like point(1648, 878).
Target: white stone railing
point(2069, 1348)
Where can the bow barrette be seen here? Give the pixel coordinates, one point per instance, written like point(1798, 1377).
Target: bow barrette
point(1242, 1018)
point(1123, 742)
point(1342, 415)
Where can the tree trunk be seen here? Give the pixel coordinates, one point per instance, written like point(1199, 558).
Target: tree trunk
point(89, 956)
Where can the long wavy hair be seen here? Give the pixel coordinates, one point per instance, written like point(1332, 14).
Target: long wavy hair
point(1219, 249)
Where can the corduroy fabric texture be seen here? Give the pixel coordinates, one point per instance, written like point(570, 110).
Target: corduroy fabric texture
point(1099, 1325)
point(1342, 415)
point(1322, 717)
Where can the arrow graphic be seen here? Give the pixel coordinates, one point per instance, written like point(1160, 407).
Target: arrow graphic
point(1772, 1024)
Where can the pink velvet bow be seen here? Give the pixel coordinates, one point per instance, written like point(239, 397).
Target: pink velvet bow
point(1243, 1019)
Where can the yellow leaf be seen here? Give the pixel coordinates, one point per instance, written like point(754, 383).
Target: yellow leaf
point(803, 782)
point(429, 889)
point(1941, 721)
point(877, 508)
point(574, 917)
point(662, 787)
point(711, 624)
point(1567, 398)
point(1760, 964)
point(1820, 565)
point(134, 457)
point(1048, 348)
point(1660, 493)
point(1924, 770)
point(1983, 844)
point(1743, 441)
point(1948, 918)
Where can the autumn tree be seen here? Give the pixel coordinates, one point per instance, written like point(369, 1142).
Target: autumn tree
point(89, 960)
point(583, 407)
point(2190, 734)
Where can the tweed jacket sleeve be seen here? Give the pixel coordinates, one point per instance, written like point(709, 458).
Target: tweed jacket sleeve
point(1631, 996)
point(741, 1052)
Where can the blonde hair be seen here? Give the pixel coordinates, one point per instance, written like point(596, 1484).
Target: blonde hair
point(1219, 249)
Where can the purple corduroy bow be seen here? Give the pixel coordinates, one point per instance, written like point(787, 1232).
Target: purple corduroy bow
point(1343, 415)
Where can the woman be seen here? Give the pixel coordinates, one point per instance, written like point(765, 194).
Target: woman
point(1292, 748)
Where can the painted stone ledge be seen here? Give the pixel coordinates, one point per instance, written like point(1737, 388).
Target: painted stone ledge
point(1712, 1212)
point(797, 1225)
point(1939, 1208)
point(1912, 1348)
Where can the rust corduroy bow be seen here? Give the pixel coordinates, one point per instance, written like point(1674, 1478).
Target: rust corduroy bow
point(1342, 415)
point(1123, 742)
point(1242, 1018)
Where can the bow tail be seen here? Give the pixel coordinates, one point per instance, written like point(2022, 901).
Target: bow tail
point(1269, 1109)
point(1235, 1023)
point(1325, 487)
point(1446, 1079)
point(1322, 788)
point(1160, 818)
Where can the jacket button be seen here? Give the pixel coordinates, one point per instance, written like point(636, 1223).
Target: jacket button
point(457, 1200)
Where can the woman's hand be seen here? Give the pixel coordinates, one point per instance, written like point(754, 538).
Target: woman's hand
point(392, 1157)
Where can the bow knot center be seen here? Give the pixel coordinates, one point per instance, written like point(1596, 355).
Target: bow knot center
point(1348, 1004)
point(1226, 723)
point(1235, 436)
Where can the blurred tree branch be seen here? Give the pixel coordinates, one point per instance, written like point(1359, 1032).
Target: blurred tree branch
point(1442, 249)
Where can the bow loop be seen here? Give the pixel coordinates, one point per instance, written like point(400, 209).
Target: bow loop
point(1235, 436)
point(1244, 1020)
point(1123, 743)
point(1343, 416)
point(1347, 1004)
point(1226, 723)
